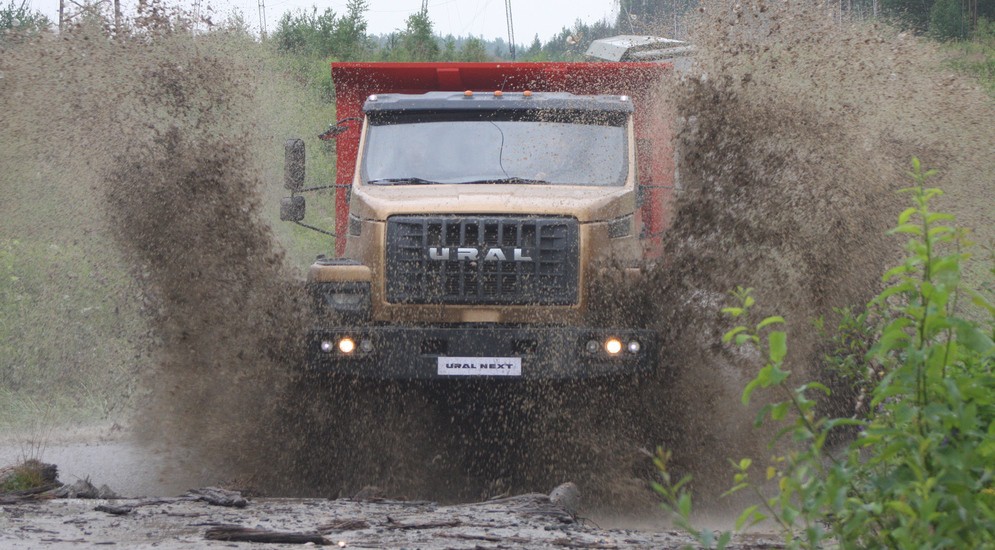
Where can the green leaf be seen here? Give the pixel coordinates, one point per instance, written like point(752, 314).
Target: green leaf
point(735, 489)
point(748, 390)
point(778, 342)
point(903, 286)
point(684, 505)
point(779, 411)
point(900, 507)
point(778, 375)
point(970, 337)
point(934, 217)
point(818, 386)
point(723, 540)
point(903, 218)
point(745, 516)
point(980, 300)
point(896, 271)
point(727, 337)
point(907, 228)
point(733, 311)
point(770, 321)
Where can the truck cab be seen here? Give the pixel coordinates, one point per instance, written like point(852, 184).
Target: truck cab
point(476, 221)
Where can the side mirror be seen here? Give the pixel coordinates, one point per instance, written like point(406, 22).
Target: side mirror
point(292, 209)
point(293, 167)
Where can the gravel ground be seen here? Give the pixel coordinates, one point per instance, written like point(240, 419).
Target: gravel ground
point(525, 521)
point(152, 515)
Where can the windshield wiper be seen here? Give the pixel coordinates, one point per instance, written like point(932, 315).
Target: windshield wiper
point(514, 180)
point(402, 181)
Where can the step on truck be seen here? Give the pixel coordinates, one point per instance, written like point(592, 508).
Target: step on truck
point(476, 203)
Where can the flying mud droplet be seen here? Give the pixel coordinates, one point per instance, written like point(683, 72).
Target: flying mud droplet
point(795, 132)
point(792, 134)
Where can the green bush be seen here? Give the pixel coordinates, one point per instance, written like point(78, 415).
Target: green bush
point(977, 56)
point(921, 470)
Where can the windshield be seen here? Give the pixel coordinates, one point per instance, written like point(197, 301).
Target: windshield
point(410, 150)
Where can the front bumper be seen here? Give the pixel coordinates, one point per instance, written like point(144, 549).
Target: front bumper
point(395, 352)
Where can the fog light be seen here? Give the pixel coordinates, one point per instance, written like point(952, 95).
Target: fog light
point(634, 347)
point(366, 345)
point(327, 346)
point(592, 346)
point(344, 300)
point(347, 345)
point(613, 346)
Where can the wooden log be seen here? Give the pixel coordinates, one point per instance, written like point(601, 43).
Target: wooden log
point(394, 524)
point(235, 533)
point(217, 497)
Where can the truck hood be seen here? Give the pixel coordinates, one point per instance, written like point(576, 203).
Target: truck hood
point(586, 203)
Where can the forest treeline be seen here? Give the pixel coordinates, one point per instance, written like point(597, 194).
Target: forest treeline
point(345, 36)
point(310, 38)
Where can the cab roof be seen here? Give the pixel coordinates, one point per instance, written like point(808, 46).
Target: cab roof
point(492, 101)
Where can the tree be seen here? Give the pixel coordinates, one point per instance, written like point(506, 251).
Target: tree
point(913, 14)
point(449, 48)
point(20, 21)
point(535, 48)
point(306, 33)
point(948, 21)
point(350, 34)
point(418, 42)
point(236, 25)
point(473, 49)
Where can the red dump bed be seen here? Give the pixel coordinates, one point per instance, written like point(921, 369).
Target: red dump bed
point(354, 82)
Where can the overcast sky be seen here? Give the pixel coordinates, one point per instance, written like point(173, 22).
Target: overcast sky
point(457, 17)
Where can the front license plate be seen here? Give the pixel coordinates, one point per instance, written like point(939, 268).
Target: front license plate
point(480, 366)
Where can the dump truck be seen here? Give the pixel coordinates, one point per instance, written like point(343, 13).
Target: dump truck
point(476, 205)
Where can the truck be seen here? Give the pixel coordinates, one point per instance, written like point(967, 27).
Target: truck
point(477, 207)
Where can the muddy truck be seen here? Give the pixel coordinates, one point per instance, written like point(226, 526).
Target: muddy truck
point(476, 205)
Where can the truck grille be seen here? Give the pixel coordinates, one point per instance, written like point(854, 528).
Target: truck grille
point(482, 260)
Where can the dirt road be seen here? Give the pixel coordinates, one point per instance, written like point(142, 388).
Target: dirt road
point(524, 521)
point(152, 515)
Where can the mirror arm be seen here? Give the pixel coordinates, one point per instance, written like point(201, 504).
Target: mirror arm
point(318, 229)
point(335, 129)
point(320, 187)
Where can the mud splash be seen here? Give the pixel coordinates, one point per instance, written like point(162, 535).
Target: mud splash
point(794, 132)
point(154, 142)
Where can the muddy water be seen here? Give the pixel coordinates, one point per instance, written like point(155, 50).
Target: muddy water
point(794, 131)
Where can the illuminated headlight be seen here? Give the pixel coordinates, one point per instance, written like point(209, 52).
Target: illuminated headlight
point(347, 345)
point(613, 346)
point(634, 347)
point(327, 346)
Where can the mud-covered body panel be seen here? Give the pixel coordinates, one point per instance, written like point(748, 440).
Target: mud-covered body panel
point(481, 274)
